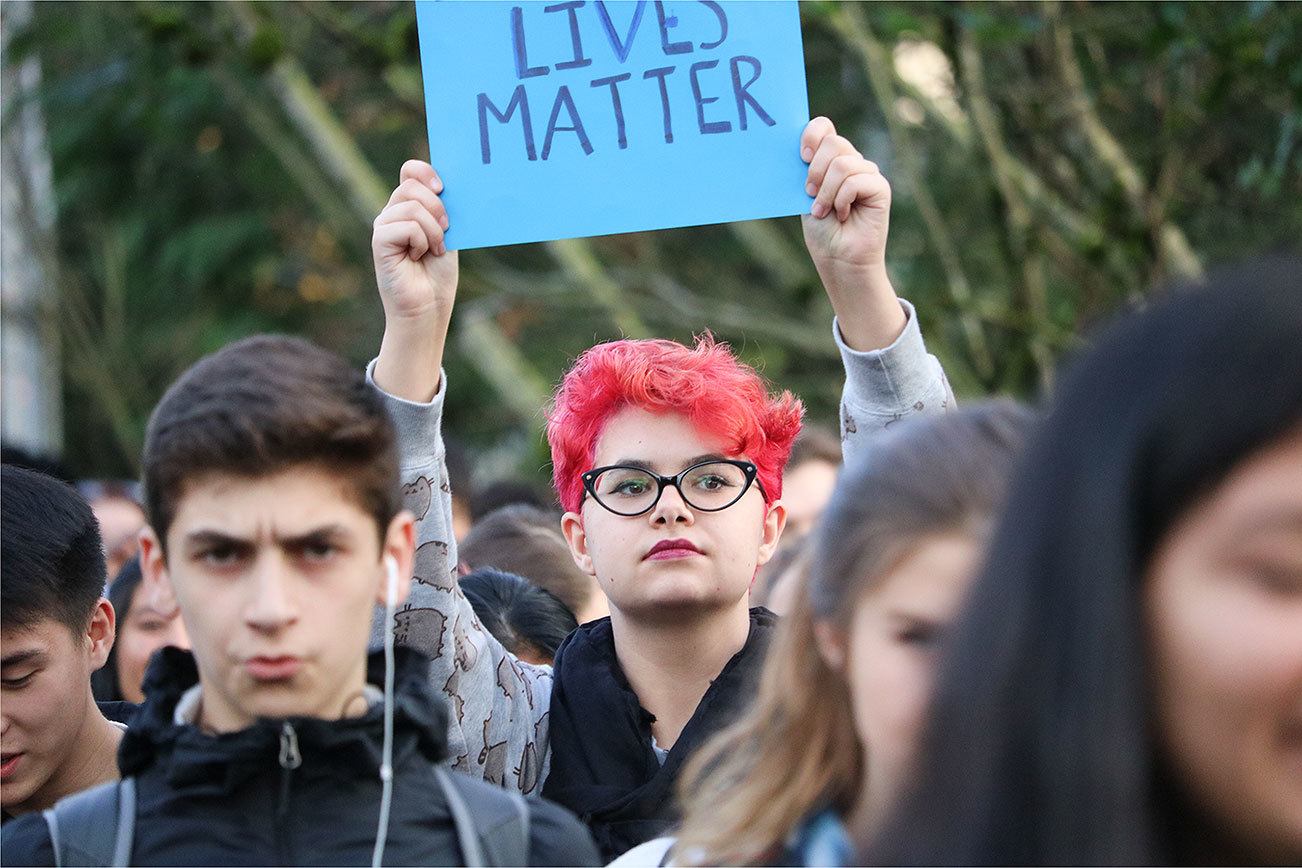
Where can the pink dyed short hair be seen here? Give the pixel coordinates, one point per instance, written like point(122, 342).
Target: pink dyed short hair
point(718, 394)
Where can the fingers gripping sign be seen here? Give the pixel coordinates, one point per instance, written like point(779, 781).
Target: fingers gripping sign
point(417, 278)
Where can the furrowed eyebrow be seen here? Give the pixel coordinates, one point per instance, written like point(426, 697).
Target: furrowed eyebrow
point(327, 533)
point(316, 536)
point(213, 537)
point(32, 655)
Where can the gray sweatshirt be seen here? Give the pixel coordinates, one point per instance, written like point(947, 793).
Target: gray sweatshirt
point(498, 726)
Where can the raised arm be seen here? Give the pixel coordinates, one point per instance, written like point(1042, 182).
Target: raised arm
point(888, 373)
point(497, 727)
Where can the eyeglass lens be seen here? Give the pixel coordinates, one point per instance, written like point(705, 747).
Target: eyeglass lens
point(629, 491)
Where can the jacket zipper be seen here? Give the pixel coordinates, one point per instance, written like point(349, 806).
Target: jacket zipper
point(290, 759)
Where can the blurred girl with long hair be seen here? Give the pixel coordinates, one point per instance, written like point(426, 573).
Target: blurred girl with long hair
point(844, 688)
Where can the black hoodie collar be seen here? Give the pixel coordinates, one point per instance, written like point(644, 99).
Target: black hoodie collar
point(348, 747)
point(603, 767)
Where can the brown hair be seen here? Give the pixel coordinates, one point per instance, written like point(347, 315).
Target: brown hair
point(260, 406)
point(796, 750)
point(527, 541)
point(814, 443)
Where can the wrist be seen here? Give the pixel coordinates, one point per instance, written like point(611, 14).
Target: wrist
point(411, 358)
point(867, 309)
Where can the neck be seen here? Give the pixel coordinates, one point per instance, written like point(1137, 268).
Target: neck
point(94, 760)
point(670, 663)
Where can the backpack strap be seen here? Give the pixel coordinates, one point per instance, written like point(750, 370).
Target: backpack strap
point(492, 824)
point(94, 827)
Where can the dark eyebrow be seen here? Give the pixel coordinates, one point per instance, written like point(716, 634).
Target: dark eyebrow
point(32, 654)
point(329, 533)
point(315, 535)
point(646, 465)
point(215, 538)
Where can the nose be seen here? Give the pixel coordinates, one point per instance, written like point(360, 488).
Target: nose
point(672, 509)
point(271, 606)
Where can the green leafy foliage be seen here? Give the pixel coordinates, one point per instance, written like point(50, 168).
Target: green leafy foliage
point(195, 207)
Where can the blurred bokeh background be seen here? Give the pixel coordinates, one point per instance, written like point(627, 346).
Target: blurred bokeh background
point(176, 176)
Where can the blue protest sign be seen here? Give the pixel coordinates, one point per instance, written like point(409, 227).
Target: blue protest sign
point(578, 118)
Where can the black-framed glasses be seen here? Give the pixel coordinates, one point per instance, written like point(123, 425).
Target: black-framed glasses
point(708, 487)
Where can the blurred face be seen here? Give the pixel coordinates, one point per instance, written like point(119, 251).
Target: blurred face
point(120, 521)
point(888, 655)
point(143, 631)
point(44, 701)
point(806, 489)
point(1224, 609)
point(276, 578)
point(673, 557)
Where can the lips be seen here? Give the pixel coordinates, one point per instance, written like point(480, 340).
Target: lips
point(280, 668)
point(9, 764)
point(671, 549)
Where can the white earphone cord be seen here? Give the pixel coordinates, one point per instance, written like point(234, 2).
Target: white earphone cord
point(386, 761)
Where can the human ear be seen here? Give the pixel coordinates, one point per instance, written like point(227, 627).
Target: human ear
point(154, 573)
point(101, 631)
point(400, 545)
point(775, 519)
point(577, 539)
point(833, 644)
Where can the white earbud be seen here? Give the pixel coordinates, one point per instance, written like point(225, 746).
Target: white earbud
point(391, 588)
point(386, 756)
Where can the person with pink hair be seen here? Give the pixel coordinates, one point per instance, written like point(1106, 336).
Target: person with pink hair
point(668, 462)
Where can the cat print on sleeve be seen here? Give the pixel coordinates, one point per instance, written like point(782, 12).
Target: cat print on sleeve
point(422, 629)
point(417, 496)
point(431, 567)
point(493, 758)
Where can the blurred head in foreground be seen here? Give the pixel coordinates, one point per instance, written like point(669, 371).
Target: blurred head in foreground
point(1126, 683)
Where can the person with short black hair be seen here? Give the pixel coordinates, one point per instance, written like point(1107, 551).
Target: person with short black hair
point(529, 621)
point(276, 519)
point(55, 630)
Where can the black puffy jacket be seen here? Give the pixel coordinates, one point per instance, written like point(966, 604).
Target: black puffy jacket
point(240, 798)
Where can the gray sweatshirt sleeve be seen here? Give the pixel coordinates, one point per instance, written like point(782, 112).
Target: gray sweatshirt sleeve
point(498, 706)
point(886, 385)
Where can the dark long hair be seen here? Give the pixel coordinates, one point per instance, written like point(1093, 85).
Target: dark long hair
point(1039, 747)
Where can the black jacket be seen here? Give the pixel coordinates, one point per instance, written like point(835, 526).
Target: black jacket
point(230, 800)
point(603, 767)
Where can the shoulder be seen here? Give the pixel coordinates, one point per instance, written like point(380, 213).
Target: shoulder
point(25, 840)
point(556, 837)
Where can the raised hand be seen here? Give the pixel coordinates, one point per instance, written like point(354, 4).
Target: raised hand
point(417, 278)
point(846, 236)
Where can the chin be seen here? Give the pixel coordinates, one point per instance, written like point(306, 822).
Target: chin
point(682, 598)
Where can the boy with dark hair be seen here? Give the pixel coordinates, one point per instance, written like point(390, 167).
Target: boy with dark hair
point(55, 630)
point(668, 461)
point(271, 483)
